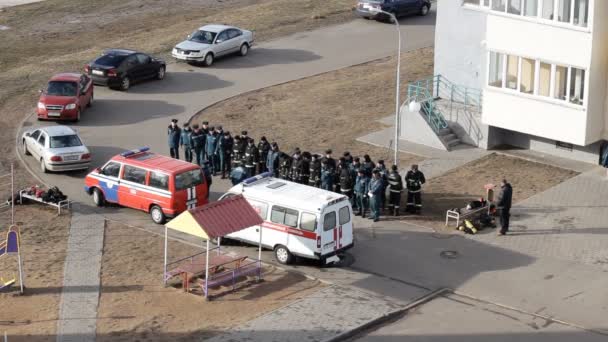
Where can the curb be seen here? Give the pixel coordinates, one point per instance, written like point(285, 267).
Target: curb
point(388, 317)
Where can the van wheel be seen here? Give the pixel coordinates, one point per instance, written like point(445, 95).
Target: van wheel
point(424, 10)
point(25, 150)
point(157, 215)
point(283, 255)
point(98, 197)
point(43, 167)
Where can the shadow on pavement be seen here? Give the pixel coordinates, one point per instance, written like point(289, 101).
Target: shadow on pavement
point(118, 112)
point(178, 82)
point(259, 57)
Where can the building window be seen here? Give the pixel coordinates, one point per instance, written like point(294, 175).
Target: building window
point(499, 5)
point(577, 86)
point(531, 9)
point(581, 12)
point(496, 68)
point(563, 11)
point(544, 82)
point(561, 82)
point(512, 66)
point(528, 72)
point(548, 8)
point(514, 7)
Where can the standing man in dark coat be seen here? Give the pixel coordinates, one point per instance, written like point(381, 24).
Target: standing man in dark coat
point(198, 144)
point(327, 176)
point(174, 133)
point(263, 149)
point(314, 177)
point(185, 141)
point(414, 179)
point(361, 189)
point(226, 156)
point(251, 158)
point(211, 150)
point(368, 165)
point(384, 176)
point(395, 188)
point(503, 204)
point(272, 159)
point(297, 166)
point(237, 155)
point(346, 180)
point(375, 188)
point(205, 131)
point(284, 166)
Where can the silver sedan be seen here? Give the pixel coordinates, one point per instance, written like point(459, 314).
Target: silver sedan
point(57, 148)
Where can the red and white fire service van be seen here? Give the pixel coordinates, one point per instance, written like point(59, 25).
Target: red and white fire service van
point(299, 220)
point(159, 185)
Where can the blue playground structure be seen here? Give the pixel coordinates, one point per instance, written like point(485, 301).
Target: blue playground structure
point(10, 246)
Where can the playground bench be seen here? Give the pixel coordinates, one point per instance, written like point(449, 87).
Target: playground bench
point(65, 204)
point(230, 276)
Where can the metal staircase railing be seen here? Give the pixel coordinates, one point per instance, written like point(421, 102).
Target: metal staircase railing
point(421, 93)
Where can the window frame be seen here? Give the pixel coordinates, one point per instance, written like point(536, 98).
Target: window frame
point(112, 162)
point(285, 210)
point(149, 181)
point(302, 220)
point(325, 229)
point(42, 139)
point(37, 136)
point(124, 174)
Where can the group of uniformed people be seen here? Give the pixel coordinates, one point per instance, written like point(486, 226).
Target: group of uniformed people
point(239, 157)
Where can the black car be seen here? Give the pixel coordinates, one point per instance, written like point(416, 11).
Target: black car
point(119, 68)
point(369, 9)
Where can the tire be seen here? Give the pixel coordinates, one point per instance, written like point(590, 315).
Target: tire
point(43, 166)
point(25, 150)
point(424, 10)
point(98, 198)
point(161, 73)
point(283, 255)
point(209, 59)
point(157, 215)
point(125, 83)
point(244, 50)
point(90, 101)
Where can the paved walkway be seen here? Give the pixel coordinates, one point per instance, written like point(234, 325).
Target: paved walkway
point(319, 317)
point(81, 280)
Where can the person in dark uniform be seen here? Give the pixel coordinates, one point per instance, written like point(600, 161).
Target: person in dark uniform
point(251, 158)
point(198, 144)
point(361, 189)
point(208, 176)
point(272, 159)
point(346, 180)
point(341, 164)
point(331, 162)
point(348, 158)
point(220, 146)
point(414, 179)
point(368, 165)
point(314, 178)
point(395, 188)
point(238, 174)
point(205, 131)
point(245, 139)
point(185, 142)
point(375, 188)
point(384, 176)
point(296, 166)
point(237, 155)
point(174, 133)
point(327, 175)
point(263, 149)
point(503, 204)
point(305, 175)
point(284, 166)
point(212, 150)
point(226, 156)
point(354, 169)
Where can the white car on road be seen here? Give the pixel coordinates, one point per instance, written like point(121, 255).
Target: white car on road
point(57, 148)
point(212, 41)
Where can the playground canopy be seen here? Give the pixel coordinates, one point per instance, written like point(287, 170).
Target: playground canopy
point(213, 221)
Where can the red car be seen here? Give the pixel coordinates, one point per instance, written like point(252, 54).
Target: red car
point(66, 97)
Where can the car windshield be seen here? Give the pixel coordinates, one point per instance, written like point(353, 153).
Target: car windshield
point(188, 179)
point(62, 141)
point(62, 88)
point(204, 37)
point(110, 60)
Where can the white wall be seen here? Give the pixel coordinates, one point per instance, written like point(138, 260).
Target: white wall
point(551, 43)
point(537, 117)
point(598, 76)
point(459, 54)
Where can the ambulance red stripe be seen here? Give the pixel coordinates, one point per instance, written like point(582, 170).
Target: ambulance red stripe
point(289, 230)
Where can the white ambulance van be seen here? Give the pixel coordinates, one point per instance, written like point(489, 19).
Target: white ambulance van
point(299, 220)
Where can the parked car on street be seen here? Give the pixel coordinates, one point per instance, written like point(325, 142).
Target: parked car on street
point(57, 148)
point(120, 68)
point(367, 8)
point(65, 98)
point(212, 41)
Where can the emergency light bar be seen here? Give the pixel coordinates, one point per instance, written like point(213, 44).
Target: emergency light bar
point(257, 178)
point(130, 153)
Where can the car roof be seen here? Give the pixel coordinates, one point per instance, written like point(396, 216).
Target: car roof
point(67, 76)
point(288, 194)
point(54, 131)
point(215, 27)
point(120, 52)
point(155, 161)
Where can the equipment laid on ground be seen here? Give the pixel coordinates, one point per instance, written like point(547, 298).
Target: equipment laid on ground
point(479, 211)
point(11, 247)
point(53, 197)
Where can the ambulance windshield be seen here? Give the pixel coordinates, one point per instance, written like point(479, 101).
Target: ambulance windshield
point(188, 179)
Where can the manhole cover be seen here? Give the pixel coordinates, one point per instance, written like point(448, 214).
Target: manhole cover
point(449, 254)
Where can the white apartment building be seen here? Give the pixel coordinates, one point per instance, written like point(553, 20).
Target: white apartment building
point(542, 66)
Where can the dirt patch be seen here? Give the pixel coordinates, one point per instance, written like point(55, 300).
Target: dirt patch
point(33, 316)
point(330, 110)
point(458, 187)
point(135, 306)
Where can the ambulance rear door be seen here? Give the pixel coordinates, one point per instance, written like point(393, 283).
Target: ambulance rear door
point(336, 228)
